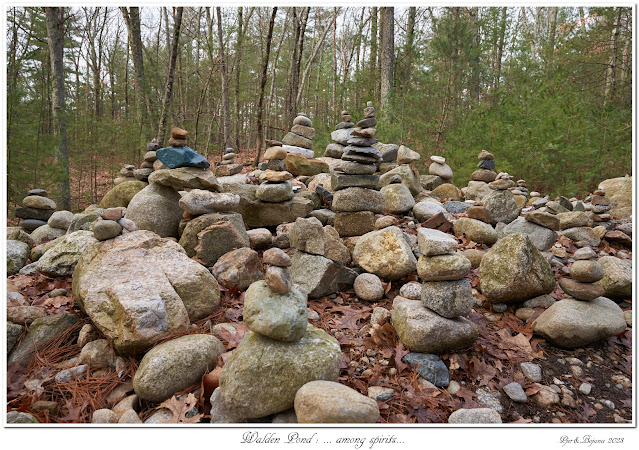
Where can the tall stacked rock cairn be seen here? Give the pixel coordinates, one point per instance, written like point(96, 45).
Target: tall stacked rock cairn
point(435, 323)
point(356, 199)
point(298, 144)
point(228, 166)
point(340, 137)
point(521, 193)
point(127, 173)
point(280, 353)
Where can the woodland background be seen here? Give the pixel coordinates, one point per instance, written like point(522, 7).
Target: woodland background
point(548, 90)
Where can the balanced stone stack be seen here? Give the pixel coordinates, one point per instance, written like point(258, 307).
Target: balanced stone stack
point(356, 199)
point(299, 141)
point(478, 185)
point(150, 156)
point(521, 193)
point(340, 137)
point(275, 186)
point(274, 156)
point(127, 173)
point(585, 271)
point(600, 206)
point(36, 210)
point(228, 166)
point(280, 343)
point(439, 168)
point(112, 224)
point(178, 154)
point(436, 323)
point(500, 204)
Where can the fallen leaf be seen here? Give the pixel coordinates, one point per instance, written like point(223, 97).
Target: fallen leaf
point(180, 408)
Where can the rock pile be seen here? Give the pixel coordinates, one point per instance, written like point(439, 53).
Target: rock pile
point(127, 173)
point(228, 166)
point(435, 323)
point(36, 210)
point(280, 343)
point(585, 271)
point(520, 192)
point(500, 204)
point(478, 186)
point(318, 258)
point(274, 157)
point(356, 198)
point(298, 144)
point(340, 137)
point(600, 206)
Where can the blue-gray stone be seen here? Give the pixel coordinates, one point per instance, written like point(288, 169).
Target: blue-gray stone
point(456, 207)
point(429, 367)
point(174, 157)
point(488, 164)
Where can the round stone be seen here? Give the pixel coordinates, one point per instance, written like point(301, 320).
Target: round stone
point(274, 192)
point(581, 291)
point(106, 229)
point(438, 159)
point(587, 271)
point(368, 287)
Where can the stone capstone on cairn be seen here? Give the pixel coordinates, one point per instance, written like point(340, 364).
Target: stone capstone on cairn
point(280, 343)
point(228, 166)
point(356, 199)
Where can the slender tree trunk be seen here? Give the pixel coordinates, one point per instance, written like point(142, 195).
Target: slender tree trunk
point(260, 102)
point(225, 81)
point(334, 98)
point(55, 34)
point(132, 19)
point(311, 60)
point(238, 69)
point(475, 84)
point(582, 20)
point(611, 84)
point(388, 55)
point(168, 91)
point(553, 32)
point(500, 48)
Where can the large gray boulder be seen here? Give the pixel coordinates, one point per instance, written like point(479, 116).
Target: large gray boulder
point(139, 288)
point(424, 331)
point(513, 271)
point(571, 323)
point(500, 206)
point(543, 238)
point(155, 208)
point(319, 276)
point(189, 239)
point(175, 365)
point(263, 375)
point(386, 253)
point(17, 255)
point(60, 259)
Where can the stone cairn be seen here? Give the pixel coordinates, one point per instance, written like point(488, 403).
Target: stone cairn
point(478, 184)
point(228, 166)
point(521, 193)
point(438, 167)
point(275, 186)
point(600, 206)
point(585, 271)
point(340, 137)
point(444, 299)
point(36, 210)
point(299, 141)
point(273, 157)
point(356, 198)
point(127, 173)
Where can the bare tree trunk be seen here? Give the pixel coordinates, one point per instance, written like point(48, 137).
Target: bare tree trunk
point(475, 84)
point(333, 99)
point(307, 69)
point(260, 103)
point(553, 32)
point(168, 92)
point(500, 47)
point(55, 34)
point(296, 62)
point(611, 83)
point(238, 69)
point(388, 55)
point(132, 19)
point(410, 37)
point(582, 20)
point(225, 81)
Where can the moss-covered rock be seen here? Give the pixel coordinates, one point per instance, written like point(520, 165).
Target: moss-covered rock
point(397, 199)
point(476, 230)
point(18, 234)
point(408, 174)
point(17, 254)
point(386, 253)
point(262, 375)
point(299, 165)
point(175, 365)
point(60, 259)
point(122, 194)
point(443, 267)
point(617, 279)
point(155, 208)
point(514, 271)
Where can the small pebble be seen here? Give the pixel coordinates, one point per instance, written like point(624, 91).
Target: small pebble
point(585, 388)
